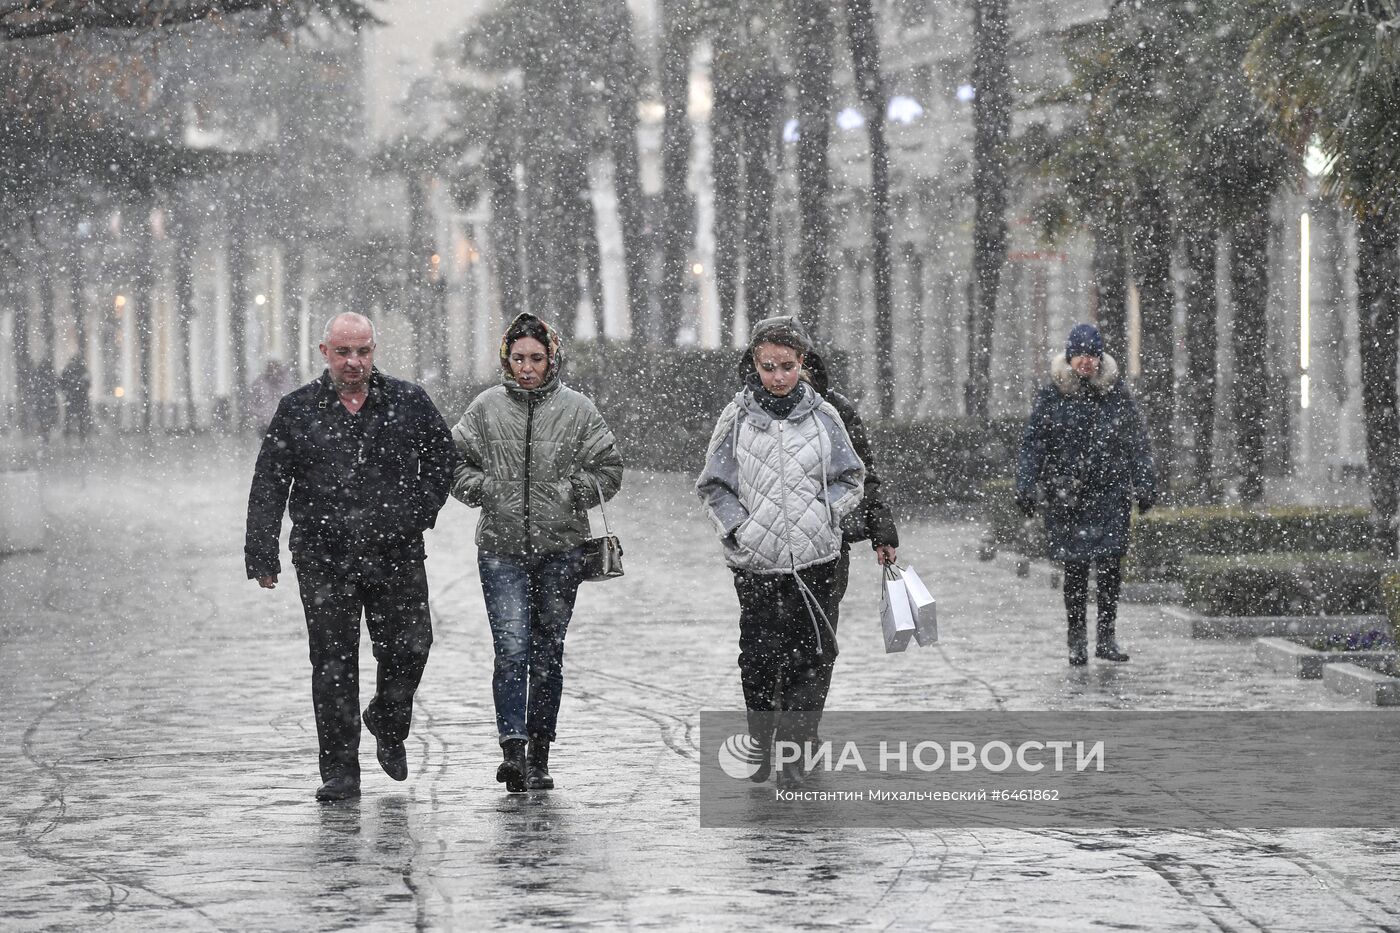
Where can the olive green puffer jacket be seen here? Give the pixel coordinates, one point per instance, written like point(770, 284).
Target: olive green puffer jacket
point(529, 459)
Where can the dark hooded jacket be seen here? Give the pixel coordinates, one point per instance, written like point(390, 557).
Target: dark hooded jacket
point(873, 520)
point(1085, 444)
point(361, 488)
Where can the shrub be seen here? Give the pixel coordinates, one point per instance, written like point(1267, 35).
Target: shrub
point(1390, 597)
point(1335, 583)
point(1164, 538)
point(940, 459)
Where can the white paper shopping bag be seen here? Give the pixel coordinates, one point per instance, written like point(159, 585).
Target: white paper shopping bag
point(921, 604)
point(896, 615)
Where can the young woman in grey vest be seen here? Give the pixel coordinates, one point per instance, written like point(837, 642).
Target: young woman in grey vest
point(780, 474)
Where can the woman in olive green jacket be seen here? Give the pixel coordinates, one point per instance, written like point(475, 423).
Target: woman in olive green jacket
point(535, 456)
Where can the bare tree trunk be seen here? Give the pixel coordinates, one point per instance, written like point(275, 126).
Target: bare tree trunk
point(583, 222)
point(24, 367)
point(621, 92)
point(1110, 264)
point(48, 299)
point(238, 309)
point(1378, 318)
point(725, 138)
point(814, 37)
point(185, 240)
point(1202, 312)
point(503, 197)
point(1249, 290)
point(763, 95)
point(677, 207)
point(143, 295)
point(569, 234)
point(1152, 254)
point(76, 294)
point(865, 60)
point(541, 222)
point(991, 129)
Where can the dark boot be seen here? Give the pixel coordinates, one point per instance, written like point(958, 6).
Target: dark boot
point(1109, 651)
point(1078, 642)
point(761, 726)
point(1076, 599)
point(1105, 645)
point(341, 787)
point(537, 774)
point(512, 771)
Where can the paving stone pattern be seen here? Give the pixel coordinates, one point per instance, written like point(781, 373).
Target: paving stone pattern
point(158, 748)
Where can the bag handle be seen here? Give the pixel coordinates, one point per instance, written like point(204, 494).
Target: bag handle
point(599, 486)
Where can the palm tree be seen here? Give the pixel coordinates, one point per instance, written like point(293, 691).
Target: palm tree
point(813, 61)
point(678, 34)
point(1329, 74)
point(568, 80)
point(622, 80)
point(744, 152)
point(1168, 138)
point(991, 130)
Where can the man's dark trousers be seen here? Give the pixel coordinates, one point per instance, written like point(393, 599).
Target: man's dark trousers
point(395, 607)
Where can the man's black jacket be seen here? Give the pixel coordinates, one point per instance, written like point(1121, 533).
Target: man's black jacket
point(361, 488)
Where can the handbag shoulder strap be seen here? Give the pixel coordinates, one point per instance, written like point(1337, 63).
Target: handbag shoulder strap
point(599, 486)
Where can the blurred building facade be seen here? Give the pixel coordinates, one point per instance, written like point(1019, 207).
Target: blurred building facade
point(300, 189)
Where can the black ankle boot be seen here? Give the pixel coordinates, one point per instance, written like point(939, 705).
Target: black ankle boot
point(760, 749)
point(1078, 643)
point(1109, 651)
point(1105, 645)
point(537, 775)
point(511, 773)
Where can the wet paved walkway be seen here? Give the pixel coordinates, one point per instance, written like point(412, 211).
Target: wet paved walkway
point(158, 749)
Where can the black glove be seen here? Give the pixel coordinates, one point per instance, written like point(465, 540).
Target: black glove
point(1145, 504)
point(1027, 505)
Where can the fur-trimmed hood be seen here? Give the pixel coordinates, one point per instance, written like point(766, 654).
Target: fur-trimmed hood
point(1064, 378)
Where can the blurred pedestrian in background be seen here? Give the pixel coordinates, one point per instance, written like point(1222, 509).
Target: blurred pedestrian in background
point(1085, 447)
point(75, 384)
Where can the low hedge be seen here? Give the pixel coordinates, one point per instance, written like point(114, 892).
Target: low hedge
point(1390, 597)
point(1164, 538)
point(941, 459)
point(1335, 583)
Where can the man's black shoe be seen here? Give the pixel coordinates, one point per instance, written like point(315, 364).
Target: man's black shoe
point(1078, 657)
point(341, 787)
point(393, 757)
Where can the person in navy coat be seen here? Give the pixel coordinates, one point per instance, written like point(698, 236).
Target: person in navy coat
point(1085, 448)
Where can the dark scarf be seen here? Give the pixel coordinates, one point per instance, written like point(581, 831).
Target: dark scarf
point(779, 406)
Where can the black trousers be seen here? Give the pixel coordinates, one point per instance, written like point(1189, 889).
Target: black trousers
point(395, 609)
point(785, 657)
point(1109, 579)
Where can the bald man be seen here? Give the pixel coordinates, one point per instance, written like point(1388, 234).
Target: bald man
point(363, 462)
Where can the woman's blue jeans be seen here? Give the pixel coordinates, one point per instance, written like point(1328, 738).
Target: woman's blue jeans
point(529, 601)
